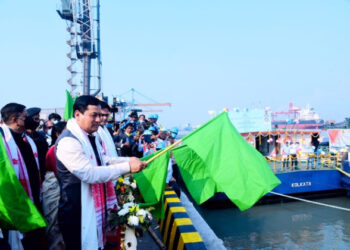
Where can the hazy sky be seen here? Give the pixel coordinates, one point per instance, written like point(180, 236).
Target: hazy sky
point(199, 55)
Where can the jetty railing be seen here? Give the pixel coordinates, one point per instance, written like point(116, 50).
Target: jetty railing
point(304, 161)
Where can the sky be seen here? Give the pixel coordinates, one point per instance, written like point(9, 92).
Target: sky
point(199, 55)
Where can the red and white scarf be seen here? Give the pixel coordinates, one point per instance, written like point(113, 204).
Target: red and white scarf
point(98, 207)
point(17, 160)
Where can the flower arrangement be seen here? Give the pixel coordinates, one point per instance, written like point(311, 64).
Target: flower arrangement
point(129, 212)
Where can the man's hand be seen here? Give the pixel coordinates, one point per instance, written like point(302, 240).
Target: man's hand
point(136, 165)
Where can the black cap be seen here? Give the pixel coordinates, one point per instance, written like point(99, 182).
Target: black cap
point(133, 114)
point(33, 111)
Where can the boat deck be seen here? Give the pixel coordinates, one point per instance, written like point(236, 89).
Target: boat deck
point(313, 163)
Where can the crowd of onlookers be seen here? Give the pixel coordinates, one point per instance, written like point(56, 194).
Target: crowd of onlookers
point(140, 136)
point(33, 140)
point(137, 135)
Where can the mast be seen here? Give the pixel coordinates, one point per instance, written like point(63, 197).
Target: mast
point(82, 15)
point(98, 41)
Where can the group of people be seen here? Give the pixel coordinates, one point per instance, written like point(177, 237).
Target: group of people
point(67, 168)
point(290, 152)
point(140, 136)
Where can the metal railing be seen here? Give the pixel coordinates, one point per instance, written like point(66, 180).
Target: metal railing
point(304, 162)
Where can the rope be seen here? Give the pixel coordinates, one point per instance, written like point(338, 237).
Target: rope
point(342, 171)
point(312, 202)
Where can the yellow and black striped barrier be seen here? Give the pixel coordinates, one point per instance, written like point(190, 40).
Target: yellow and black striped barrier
point(177, 228)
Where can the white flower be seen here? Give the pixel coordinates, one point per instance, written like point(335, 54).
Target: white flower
point(128, 204)
point(126, 182)
point(123, 211)
point(133, 220)
point(133, 185)
point(141, 212)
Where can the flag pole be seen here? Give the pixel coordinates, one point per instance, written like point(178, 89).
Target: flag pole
point(164, 151)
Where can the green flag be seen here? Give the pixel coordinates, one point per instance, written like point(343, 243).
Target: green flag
point(151, 183)
point(216, 158)
point(194, 173)
point(17, 211)
point(68, 109)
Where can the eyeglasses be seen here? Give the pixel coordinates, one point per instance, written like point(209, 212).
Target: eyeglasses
point(95, 115)
point(104, 115)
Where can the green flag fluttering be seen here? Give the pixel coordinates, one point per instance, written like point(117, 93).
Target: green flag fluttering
point(17, 211)
point(151, 183)
point(216, 158)
point(68, 109)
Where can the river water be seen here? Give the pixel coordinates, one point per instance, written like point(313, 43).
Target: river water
point(291, 225)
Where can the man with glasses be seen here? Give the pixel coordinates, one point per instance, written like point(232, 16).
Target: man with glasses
point(23, 155)
point(106, 139)
point(85, 175)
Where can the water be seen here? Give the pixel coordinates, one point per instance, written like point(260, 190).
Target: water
point(292, 225)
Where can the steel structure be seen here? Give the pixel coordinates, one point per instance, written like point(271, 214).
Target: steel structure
point(125, 104)
point(292, 113)
point(83, 26)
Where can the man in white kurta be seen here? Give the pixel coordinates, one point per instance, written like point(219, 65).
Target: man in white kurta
point(84, 175)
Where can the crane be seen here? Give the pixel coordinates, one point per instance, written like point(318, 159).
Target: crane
point(83, 25)
point(126, 106)
point(292, 113)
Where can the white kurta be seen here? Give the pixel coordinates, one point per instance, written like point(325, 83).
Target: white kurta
point(78, 157)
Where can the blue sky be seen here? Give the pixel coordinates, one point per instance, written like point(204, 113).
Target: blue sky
point(199, 55)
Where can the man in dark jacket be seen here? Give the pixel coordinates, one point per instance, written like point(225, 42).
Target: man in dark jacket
point(31, 124)
point(14, 117)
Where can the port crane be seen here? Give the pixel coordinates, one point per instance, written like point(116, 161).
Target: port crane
point(127, 102)
point(291, 114)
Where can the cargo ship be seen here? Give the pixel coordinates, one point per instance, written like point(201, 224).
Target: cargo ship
point(297, 118)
